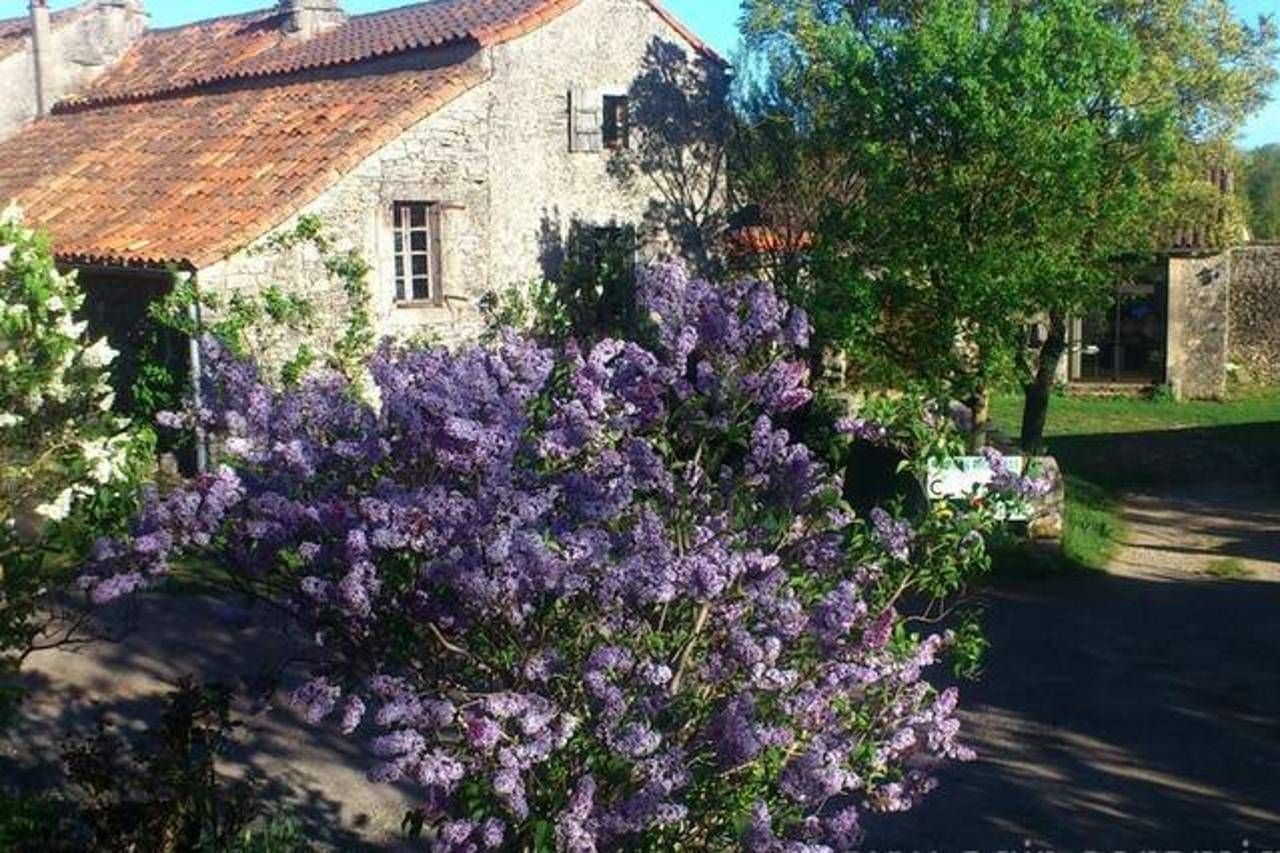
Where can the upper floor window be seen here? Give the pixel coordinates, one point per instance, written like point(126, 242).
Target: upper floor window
point(616, 129)
point(599, 119)
point(416, 226)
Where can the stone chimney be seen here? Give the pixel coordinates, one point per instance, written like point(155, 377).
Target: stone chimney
point(308, 18)
point(63, 55)
point(42, 56)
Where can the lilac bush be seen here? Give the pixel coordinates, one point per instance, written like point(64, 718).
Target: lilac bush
point(584, 600)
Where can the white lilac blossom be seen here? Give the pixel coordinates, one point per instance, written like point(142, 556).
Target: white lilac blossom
point(596, 591)
point(99, 354)
point(60, 442)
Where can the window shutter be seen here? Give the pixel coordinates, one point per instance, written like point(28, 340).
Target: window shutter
point(586, 121)
point(435, 222)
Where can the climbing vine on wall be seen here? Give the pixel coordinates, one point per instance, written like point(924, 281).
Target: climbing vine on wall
point(248, 324)
point(348, 267)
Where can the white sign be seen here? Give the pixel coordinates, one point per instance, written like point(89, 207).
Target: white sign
point(965, 476)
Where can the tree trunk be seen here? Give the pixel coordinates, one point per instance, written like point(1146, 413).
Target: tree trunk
point(1035, 411)
point(980, 406)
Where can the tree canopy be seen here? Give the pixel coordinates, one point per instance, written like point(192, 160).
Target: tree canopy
point(1262, 187)
point(1007, 154)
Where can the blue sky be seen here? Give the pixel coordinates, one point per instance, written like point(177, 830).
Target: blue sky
point(714, 20)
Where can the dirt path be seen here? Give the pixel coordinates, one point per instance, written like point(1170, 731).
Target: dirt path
point(1138, 710)
point(1215, 530)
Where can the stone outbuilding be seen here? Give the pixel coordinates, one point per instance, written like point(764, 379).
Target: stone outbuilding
point(1198, 316)
point(453, 143)
point(1196, 320)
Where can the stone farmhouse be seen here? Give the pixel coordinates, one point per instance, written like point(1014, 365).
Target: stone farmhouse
point(450, 142)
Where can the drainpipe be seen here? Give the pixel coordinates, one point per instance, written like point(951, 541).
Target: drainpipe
point(197, 374)
point(42, 55)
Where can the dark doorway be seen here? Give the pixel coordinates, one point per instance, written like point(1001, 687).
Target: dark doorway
point(1128, 342)
point(151, 372)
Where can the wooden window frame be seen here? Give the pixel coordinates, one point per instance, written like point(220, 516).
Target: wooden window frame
point(615, 125)
point(413, 288)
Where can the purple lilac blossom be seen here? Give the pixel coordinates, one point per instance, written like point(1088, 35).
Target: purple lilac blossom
point(1004, 479)
point(864, 430)
point(895, 535)
point(525, 554)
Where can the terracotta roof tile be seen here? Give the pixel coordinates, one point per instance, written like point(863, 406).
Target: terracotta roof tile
point(172, 59)
point(188, 180)
point(204, 137)
point(761, 240)
point(253, 45)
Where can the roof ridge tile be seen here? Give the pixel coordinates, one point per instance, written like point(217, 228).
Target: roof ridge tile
point(252, 52)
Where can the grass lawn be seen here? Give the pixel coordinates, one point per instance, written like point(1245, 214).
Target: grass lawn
point(1080, 416)
point(1108, 446)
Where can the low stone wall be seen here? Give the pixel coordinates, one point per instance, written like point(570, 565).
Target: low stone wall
point(1255, 312)
point(1048, 513)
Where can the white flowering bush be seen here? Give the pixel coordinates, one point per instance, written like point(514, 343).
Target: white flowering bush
point(65, 459)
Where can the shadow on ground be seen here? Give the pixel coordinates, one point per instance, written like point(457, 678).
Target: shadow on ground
point(1140, 709)
point(1247, 453)
point(1117, 713)
point(1190, 530)
point(313, 774)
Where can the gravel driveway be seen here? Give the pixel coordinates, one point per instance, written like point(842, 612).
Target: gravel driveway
point(1138, 710)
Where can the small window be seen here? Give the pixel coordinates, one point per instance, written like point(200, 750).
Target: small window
point(617, 121)
point(417, 237)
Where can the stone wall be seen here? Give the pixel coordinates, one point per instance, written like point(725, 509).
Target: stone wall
point(86, 41)
point(443, 158)
point(540, 186)
point(1199, 327)
point(499, 158)
point(1255, 312)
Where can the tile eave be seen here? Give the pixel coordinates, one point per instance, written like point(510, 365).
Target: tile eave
point(392, 127)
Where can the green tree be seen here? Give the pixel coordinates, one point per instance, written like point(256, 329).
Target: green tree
point(1008, 153)
point(1262, 188)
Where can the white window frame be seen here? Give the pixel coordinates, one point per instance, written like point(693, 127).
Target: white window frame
point(411, 287)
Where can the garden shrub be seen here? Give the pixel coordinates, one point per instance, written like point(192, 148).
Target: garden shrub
point(165, 793)
point(585, 598)
point(68, 466)
point(31, 822)
point(589, 293)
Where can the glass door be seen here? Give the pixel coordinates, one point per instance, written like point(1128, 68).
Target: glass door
point(1126, 343)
